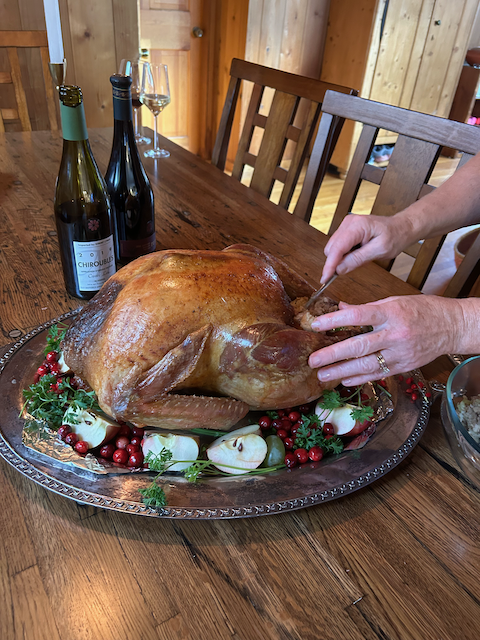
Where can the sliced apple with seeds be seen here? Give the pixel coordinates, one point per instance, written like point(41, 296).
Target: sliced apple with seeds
point(93, 428)
point(182, 447)
point(344, 424)
point(238, 451)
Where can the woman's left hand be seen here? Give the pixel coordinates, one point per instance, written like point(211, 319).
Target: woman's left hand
point(408, 332)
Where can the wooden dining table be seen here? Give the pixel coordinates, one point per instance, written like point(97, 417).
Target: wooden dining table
point(396, 559)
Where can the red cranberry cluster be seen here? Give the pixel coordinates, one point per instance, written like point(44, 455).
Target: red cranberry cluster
point(286, 427)
point(414, 389)
point(125, 448)
point(49, 366)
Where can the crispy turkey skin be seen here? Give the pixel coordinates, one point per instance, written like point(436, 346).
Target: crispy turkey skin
point(183, 339)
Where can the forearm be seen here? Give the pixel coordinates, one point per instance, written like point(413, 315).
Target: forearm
point(455, 204)
point(466, 338)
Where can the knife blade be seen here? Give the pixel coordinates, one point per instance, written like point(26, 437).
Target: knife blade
point(315, 296)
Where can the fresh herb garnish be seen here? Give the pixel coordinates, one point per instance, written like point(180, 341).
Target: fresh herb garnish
point(55, 337)
point(362, 413)
point(310, 434)
point(46, 405)
point(331, 400)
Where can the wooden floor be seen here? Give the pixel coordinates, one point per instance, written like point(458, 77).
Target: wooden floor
point(325, 205)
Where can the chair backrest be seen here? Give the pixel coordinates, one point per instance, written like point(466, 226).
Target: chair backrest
point(294, 114)
point(420, 140)
point(12, 41)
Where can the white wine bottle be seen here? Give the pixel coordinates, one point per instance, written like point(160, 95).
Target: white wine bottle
point(127, 182)
point(83, 215)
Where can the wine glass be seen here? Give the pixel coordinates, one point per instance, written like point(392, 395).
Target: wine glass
point(155, 95)
point(133, 68)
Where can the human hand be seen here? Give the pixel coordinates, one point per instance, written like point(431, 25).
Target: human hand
point(408, 331)
point(380, 237)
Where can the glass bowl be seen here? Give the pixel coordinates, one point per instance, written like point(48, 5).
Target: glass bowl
point(464, 381)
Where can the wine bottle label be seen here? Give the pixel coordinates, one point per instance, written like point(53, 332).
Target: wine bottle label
point(94, 263)
point(122, 104)
point(137, 248)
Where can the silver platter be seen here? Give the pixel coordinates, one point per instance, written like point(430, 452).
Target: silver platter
point(216, 497)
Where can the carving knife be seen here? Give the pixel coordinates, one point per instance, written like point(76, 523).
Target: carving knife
point(315, 296)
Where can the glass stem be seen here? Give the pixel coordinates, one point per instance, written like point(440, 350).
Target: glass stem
point(155, 136)
point(135, 121)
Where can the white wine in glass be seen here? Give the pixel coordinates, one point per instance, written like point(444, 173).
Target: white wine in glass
point(133, 68)
point(155, 95)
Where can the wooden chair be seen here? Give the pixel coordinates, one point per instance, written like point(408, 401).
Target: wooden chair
point(12, 41)
point(421, 138)
point(294, 114)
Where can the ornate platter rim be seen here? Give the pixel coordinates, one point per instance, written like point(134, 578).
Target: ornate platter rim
point(31, 470)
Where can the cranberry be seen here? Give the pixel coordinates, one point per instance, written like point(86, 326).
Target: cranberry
point(107, 451)
point(54, 388)
point(414, 396)
point(304, 409)
point(281, 413)
point(64, 430)
point(120, 456)
point(265, 423)
point(400, 378)
point(409, 381)
point(138, 431)
point(286, 424)
point(294, 416)
point(55, 368)
point(136, 440)
point(81, 446)
point(328, 429)
point(281, 433)
point(316, 453)
point(346, 392)
point(132, 448)
point(364, 397)
point(288, 443)
point(408, 390)
point(277, 423)
point(302, 455)
point(52, 356)
point(71, 438)
point(125, 430)
point(136, 459)
point(294, 429)
point(121, 442)
point(43, 369)
point(290, 460)
point(36, 378)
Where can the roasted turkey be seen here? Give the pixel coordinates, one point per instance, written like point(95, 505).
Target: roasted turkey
point(181, 339)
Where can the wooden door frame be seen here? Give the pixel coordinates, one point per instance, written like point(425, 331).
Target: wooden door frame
point(226, 36)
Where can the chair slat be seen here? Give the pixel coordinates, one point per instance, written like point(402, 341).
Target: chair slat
point(353, 179)
point(19, 91)
point(279, 128)
point(12, 42)
point(273, 142)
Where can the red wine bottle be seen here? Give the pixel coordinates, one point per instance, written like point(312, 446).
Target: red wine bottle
point(83, 215)
point(127, 182)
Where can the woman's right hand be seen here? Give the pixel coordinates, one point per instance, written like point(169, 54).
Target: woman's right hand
point(380, 237)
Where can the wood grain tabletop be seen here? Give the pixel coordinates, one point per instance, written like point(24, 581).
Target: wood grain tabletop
point(398, 559)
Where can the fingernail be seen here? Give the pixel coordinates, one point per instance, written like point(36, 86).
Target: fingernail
point(323, 376)
point(346, 382)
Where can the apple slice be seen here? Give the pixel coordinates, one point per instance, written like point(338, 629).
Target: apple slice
point(344, 424)
point(182, 448)
point(243, 448)
point(62, 365)
point(93, 428)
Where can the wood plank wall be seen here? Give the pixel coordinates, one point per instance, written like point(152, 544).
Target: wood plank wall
point(287, 35)
point(96, 36)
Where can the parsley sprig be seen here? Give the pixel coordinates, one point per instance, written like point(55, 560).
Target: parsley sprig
point(154, 495)
point(46, 406)
point(55, 336)
point(310, 434)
